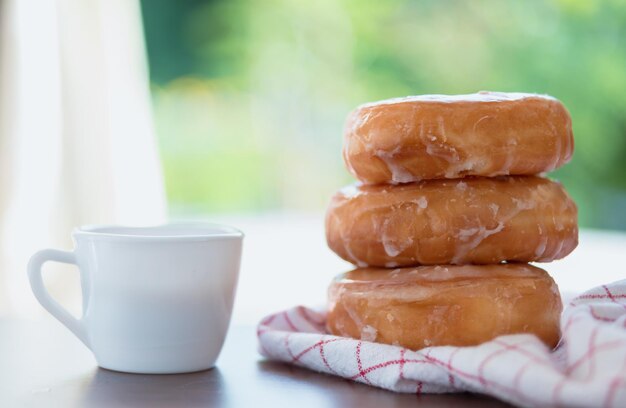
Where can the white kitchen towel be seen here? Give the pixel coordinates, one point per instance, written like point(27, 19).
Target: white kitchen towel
point(587, 369)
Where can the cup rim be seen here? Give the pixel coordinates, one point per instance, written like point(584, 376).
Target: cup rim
point(178, 231)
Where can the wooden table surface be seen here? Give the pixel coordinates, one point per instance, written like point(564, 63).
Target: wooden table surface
point(43, 365)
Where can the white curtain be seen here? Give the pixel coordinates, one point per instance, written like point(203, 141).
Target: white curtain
point(77, 143)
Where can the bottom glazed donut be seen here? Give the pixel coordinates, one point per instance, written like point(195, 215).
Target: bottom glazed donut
point(444, 305)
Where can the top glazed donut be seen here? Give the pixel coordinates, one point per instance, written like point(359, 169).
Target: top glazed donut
point(437, 136)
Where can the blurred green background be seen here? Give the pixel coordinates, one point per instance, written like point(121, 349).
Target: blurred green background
point(250, 96)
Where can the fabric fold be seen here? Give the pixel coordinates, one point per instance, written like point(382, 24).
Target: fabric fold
point(588, 367)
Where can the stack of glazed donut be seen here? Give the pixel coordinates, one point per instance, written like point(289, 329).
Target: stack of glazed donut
point(449, 211)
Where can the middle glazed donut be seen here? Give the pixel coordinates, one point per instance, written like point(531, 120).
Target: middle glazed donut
point(472, 220)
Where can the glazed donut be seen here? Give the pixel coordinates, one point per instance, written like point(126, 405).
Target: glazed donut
point(437, 136)
point(444, 305)
point(474, 220)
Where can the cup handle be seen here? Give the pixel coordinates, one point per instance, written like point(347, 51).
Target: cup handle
point(36, 283)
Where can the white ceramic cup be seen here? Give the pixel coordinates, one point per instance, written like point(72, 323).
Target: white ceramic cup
point(155, 299)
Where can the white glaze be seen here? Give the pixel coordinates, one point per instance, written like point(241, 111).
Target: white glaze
point(462, 166)
point(391, 264)
point(443, 151)
point(494, 208)
point(480, 97)
point(368, 333)
point(477, 235)
point(351, 190)
point(421, 202)
point(524, 204)
point(541, 248)
point(358, 262)
point(391, 246)
point(398, 173)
